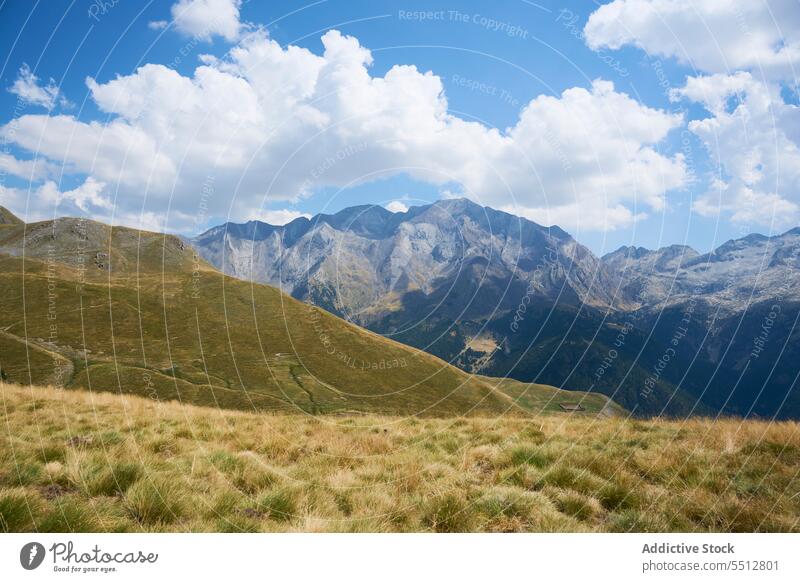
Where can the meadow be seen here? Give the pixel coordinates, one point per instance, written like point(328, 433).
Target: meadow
point(78, 461)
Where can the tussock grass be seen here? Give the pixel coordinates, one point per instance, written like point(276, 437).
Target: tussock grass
point(73, 461)
point(15, 510)
point(447, 513)
point(279, 504)
point(155, 501)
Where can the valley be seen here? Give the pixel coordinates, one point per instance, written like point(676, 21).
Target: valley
point(88, 307)
point(496, 294)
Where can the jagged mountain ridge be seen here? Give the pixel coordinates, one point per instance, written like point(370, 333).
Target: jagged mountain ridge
point(730, 316)
point(500, 295)
point(361, 261)
point(737, 273)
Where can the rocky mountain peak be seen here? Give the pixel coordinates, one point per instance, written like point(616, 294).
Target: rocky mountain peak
point(365, 255)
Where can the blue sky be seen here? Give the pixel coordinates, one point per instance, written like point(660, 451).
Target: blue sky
point(584, 157)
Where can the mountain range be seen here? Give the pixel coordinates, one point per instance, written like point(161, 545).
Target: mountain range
point(87, 306)
point(668, 331)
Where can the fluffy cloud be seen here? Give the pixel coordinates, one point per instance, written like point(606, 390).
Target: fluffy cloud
point(205, 19)
point(589, 154)
point(578, 217)
point(278, 217)
point(712, 36)
point(749, 49)
point(34, 170)
point(87, 198)
point(753, 135)
point(27, 88)
point(396, 206)
point(113, 152)
point(272, 123)
point(90, 199)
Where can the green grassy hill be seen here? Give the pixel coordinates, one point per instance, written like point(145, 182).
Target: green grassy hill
point(75, 461)
point(87, 306)
point(7, 217)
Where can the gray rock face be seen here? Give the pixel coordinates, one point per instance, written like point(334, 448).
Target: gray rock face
point(500, 295)
point(739, 273)
point(361, 261)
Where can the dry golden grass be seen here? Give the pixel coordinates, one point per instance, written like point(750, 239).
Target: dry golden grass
point(79, 461)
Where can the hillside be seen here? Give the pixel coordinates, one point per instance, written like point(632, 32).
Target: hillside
point(496, 294)
point(734, 312)
point(487, 291)
point(77, 461)
point(120, 310)
point(8, 218)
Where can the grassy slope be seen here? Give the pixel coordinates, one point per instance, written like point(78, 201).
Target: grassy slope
point(7, 217)
point(79, 461)
point(121, 310)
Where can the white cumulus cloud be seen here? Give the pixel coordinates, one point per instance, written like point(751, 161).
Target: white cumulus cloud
point(268, 122)
point(88, 197)
point(205, 19)
point(278, 217)
point(396, 206)
point(113, 152)
point(712, 36)
point(753, 135)
point(745, 52)
point(34, 170)
point(28, 89)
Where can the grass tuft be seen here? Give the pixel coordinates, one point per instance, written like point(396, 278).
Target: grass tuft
point(279, 505)
point(155, 502)
point(17, 510)
point(447, 514)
